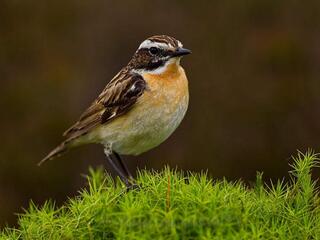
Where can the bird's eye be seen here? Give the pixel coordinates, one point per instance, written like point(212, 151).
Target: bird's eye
point(154, 50)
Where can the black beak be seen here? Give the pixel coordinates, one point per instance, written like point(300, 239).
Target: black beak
point(180, 52)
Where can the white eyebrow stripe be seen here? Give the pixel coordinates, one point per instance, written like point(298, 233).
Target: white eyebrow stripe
point(148, 44)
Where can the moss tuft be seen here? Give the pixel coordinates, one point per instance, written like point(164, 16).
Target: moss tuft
point(174, 205)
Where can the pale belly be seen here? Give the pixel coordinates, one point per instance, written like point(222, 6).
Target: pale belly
point(150, 122)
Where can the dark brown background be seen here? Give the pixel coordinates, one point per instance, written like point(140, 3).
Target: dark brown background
point(254, 85)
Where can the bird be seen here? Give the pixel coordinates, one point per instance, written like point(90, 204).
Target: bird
point(138, 109)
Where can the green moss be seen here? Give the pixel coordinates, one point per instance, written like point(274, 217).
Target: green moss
point(173, 205)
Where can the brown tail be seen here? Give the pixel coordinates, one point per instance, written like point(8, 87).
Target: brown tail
point(58, 151)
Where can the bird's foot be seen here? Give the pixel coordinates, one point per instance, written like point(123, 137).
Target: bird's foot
point(131, 185)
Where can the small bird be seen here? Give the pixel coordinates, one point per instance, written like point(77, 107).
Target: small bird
point(138, 109)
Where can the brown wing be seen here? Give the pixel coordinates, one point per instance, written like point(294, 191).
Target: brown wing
point(117, 98)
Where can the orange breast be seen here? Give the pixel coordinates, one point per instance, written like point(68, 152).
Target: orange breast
point(168, 88)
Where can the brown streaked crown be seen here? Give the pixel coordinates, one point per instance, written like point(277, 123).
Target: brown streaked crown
point(165, 39)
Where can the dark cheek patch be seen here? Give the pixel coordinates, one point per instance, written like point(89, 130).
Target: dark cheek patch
point(154, 65)
point(144, 60)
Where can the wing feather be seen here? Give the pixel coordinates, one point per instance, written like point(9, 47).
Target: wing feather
point(116, 99)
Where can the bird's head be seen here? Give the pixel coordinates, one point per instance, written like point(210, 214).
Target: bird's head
point(156, 53)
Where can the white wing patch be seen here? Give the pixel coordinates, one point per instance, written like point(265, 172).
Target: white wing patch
point(133, 87)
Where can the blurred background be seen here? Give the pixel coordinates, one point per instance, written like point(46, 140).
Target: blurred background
point(254, 85)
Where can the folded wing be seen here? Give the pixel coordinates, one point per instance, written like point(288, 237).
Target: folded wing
point(116, 99)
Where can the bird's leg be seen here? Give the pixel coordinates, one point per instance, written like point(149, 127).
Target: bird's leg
point(131, 182)
point(123, 165)
point(120, 168)
point(119, 171)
